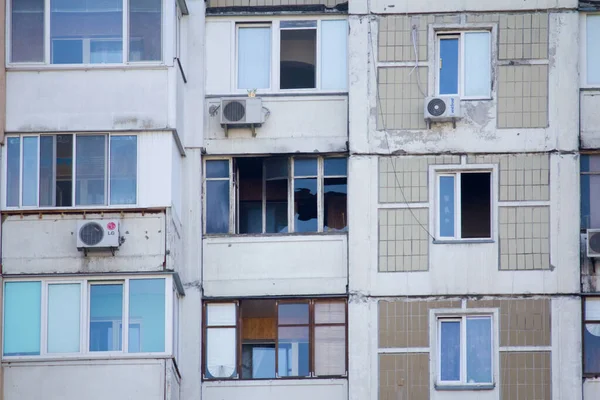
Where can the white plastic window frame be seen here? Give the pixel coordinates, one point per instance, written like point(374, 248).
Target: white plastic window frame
point(84, 320)
point(274, 79)
point(435, 172)
point(583, 53)
point(454, 30)
point(167, 20)
point(107, 158)
point(233, 195)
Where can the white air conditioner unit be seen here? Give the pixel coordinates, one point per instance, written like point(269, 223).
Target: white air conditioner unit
point(593, 243)
point(442, 108)
point(241, 112)
point(98, 234)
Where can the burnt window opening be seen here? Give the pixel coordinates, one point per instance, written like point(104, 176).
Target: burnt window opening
point(298, 59)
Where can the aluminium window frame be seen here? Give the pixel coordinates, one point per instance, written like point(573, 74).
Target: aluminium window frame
point(239, 328)
point(84, 319)
point(275, 81)
point(437, 170)
point(167, 36)
point(74, 206)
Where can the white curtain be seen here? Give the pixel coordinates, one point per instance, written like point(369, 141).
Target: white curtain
point(477, 64)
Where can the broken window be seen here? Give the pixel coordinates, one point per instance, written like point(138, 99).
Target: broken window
point(590, 191)
point(276, 195)
point(464, 205)
point(591, 336)
point(278, 338)
point(103, 171)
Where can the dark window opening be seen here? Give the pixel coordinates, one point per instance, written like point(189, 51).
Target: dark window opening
point(298, 59)
point(475, 194)
point(250, 194)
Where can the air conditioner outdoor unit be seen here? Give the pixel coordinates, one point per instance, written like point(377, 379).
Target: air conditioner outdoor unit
point(98, 234)
point(593, 243)
point(241, 112)
point(442, 108)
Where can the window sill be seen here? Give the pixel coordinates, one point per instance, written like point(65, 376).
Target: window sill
point(84, 67)
point(465, 387)
point(462, 241)
point(85, 357)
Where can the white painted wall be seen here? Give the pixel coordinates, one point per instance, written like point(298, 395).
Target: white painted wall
point(330, 389)
point(87, 100)
point(275, 265)
point(408, 6)
point(31, 244)
point(590, 119)
point(97, 380)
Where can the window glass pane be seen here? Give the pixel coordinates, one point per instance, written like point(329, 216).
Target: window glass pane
point(276, 173)
point(292, 313)
point(123, 169)
point(250, 173)
point(330, 350)
point(305, 205)
point(220, 352)
point(64, 170)
point(78, 26)
point(446, 206)
point(293, 349)
point(46, 170)
point(450, 351)
point(13, 169)
point(259, 333)
point(106, 317)
point(250, 216)
point(298, 59)
point(591, 348)
point(27, 31)
point(305, 167)
point(335, 216)
point(475, 205)
point(221, 314)
point(336, 166)
point(254, 57)
point(330, 312)
point(449, 66)
point(217, 169)
point(334, 60)
point(91, 170)
point(477, 64)
point(146, 315)
point(590, 210)
point(297, 24)
point(592, 53)
point(276, 168)
point(30, 170)
point(479, 350)
point(217, 206)
point(145, 30)
point(64, 302)
point(592, 309)
point(22, 318)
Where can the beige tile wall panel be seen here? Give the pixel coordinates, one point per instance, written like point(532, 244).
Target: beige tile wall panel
point(522, 177)
point(404, 179)
point(406, 323)
point(524, 238)
point(396, 41)
point(404, 376)
point(258, 3)
point(403, 240)
point(400, 97)
point(525, 375)
point(523, 322)
point(523, 96)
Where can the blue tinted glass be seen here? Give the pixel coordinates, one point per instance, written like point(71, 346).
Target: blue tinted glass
point(123, 169)
point(585, 202)
point(450, 351)
point(250, 217)
point(30, 170)
point(479, 350)
point(447, 206)
point(305, 167)
point(336, 166)
point(46, 170)
point(146, 315)
point(305, 199)
point(449, 66)
point(13, 173)
point(263, 362)
point(67, 51)
point(584, 163)
point(145, 31)
point(292, 313)
point(106, 316)
point(591, 348)
point(217, 206)
point(90, 170)
point(217, 169)
point(106, 51)
point(22, 318)
point(293, 349)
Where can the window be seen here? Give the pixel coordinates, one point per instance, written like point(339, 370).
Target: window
point(276, 195)
point(275, 339)
point(592, 54)
point(465, 350)
point(97, 322)
point(464, 64)
point(308, 55)
point(591, 336)
point(67, 170)
point(590, 191)
point(83, 32)
point(464, 205)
